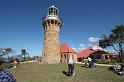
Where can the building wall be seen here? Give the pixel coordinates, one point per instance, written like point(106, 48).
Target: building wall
point(65, 56)
point(51, 42)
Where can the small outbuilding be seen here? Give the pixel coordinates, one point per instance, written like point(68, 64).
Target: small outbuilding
point(66, 52)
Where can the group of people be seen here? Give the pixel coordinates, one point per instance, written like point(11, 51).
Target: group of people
point(71, 65)
point(118, 68)
point(90, 63)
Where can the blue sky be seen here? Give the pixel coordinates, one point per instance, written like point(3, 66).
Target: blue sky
point(84, 21)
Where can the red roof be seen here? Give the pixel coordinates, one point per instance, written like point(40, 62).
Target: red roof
point(64, 48)
point(86, 52)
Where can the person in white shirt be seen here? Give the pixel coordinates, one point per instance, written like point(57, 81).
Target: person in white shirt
point(70, 66)
point(89, 61)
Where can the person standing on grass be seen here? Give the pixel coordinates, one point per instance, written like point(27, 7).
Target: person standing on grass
point(17, 62)
point(5, 76)
point(70, 66)
point(93, 63)
point(90, 62)
point(73, 68)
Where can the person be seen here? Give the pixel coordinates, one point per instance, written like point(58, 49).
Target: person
point(5, 76)
point(17, 62)
point(86, 63)
point(90, 62)
point(116, 67)
point(73, 68)
point(121, 71)
point(93, 63)
point(70, 66)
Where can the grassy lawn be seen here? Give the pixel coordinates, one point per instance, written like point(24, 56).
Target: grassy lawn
point(34, 72)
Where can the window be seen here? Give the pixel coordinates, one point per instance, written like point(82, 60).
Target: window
point(61, 56)
point(56, 11)
point(64, 55)
point(51, 9)
point(106, 56)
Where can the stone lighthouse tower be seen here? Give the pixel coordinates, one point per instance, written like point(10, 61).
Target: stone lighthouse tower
point(51, 24)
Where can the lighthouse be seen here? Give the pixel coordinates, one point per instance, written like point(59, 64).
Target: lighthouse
point(51, 24)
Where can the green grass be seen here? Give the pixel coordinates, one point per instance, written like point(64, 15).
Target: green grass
point(34, 72)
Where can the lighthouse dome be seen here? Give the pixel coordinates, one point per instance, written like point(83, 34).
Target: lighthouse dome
point(52, 10)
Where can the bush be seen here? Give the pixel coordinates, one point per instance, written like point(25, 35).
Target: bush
point(105, 62)
point(7, 65)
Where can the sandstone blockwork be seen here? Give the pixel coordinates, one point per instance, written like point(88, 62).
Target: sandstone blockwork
point(53, 52)
point(51, 24)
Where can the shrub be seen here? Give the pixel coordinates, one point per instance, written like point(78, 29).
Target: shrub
point(105, 62)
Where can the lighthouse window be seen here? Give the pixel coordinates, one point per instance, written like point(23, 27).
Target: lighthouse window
point(49, 12)
point(51, 9)
point(52, 12)
point(45, 38)
point(56, 11)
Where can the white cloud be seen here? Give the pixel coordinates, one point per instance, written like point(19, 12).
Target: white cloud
point(80, 48)
point(74, 48)
point(94, 42)
point(93, 39)
point(94, 46)
point(81, 45)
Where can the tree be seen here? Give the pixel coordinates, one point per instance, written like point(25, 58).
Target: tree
point(115, 40)
point(24, 53)
point(5, 52)
point(1, 53)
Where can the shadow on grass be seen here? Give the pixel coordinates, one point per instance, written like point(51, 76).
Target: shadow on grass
point(85, 66)
point(65, 73)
